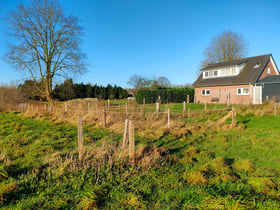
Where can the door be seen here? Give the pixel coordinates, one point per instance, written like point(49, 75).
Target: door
point(257, 95)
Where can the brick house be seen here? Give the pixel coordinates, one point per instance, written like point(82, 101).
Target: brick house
point(235, 81)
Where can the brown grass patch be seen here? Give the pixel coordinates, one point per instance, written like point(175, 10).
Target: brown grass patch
point(246, 166)
point(196, 178)
point(148, 156)
point(263, 184)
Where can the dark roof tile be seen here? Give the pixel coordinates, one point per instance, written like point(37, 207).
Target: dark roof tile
point(270, 79)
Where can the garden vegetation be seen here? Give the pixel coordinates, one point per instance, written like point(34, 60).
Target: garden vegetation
point(201, 166)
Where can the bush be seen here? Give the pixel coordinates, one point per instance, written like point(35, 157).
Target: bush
point(171, 95)
point(10, 97)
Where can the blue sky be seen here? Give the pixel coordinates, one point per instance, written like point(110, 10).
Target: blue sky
point(156, 38)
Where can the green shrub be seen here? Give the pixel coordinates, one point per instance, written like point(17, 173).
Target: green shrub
point(173, 95)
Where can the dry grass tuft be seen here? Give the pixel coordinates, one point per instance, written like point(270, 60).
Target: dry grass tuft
point(219, 165)
point(109, 154)
point(267, 108)
point(240, 127)
point(190, 154)
point(196, 178)
point(148, 156)
point(88, 202)
point(246, 166)
point(216, 170)
point(263, 184)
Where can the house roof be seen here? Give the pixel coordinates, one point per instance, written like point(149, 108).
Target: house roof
point(270, 79)
point(249, 73)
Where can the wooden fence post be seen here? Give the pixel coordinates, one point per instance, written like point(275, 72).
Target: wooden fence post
point(275, 111)
point(66, 106)
point(157, 107)
point(88, 106)
point(131, 143)
point(144, 110)
point(144, 101)
point(125, 134)
point(126, 110)
point(184, 107)
point(108, 104)
point(104, 117)
point(228, 100)
point(233, 117)
point(80, 137)
point(168, 118)
point(188, 99)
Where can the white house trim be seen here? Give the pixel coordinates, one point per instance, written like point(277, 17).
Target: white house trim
point(275, 67)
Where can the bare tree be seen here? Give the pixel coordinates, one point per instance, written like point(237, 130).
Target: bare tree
point(45, 42)
point(163, 82)
point(139, 82)
point(225, 47)
point(10, 98)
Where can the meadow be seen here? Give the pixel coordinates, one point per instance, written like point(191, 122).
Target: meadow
point(195, 164)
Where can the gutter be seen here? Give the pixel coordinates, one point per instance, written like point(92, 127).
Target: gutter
point(269, 83)
point(222, 85)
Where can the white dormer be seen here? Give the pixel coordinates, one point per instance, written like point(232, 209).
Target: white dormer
point(223, 72)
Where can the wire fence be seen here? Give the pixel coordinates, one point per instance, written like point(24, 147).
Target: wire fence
point(107, 113)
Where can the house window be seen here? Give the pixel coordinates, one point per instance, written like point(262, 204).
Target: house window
point(228, 71)
point(206, 92)
point(231, 71)
point(268, 70)
point(242, 91)
point(215, 73)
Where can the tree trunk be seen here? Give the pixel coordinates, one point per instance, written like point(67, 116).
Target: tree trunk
point(48, 82)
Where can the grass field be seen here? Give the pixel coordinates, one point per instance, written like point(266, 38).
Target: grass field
point(205, 167)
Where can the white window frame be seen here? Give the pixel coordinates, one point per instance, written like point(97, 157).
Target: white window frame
point(205, 94)
point(242, 92)
point(268, 70)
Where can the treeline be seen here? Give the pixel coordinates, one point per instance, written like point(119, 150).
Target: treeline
point(68, 90)
point(168, 95)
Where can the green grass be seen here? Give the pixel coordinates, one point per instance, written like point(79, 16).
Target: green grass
point(208, 169)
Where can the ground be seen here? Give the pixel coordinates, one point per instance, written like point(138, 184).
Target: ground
point(203, 167)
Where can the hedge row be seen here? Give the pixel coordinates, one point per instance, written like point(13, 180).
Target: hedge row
point(174, 95)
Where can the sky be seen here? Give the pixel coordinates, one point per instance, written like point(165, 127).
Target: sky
point(155, 38)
